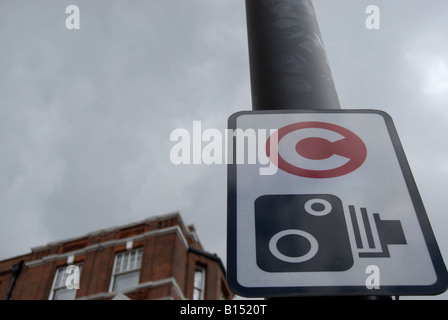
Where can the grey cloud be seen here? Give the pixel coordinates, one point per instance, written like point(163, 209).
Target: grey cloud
point(85, 115)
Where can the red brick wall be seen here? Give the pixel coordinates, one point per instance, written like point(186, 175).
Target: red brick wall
point(165, 256)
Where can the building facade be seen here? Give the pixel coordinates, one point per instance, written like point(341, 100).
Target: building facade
point(158, 258)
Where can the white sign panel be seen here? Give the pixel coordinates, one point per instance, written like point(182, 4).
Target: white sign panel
point(324, 203)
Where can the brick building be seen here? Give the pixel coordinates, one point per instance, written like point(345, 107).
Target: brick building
point(158, 258)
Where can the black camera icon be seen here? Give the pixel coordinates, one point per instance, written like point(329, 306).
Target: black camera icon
point(309, 233)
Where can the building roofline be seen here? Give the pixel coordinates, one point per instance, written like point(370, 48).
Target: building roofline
point(114, 228)
point(16, 258)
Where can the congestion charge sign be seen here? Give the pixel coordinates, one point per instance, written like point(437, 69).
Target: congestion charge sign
point(334, 211)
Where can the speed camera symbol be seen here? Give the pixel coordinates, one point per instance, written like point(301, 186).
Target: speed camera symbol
point(301, 233)
point(348, 146)
point(310, 233)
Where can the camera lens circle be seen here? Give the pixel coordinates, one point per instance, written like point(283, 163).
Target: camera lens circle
point(309, 255)
point(318, 207)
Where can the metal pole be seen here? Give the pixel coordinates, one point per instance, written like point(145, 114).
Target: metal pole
point(288, 65)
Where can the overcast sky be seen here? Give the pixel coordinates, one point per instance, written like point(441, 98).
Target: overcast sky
point(86, 115)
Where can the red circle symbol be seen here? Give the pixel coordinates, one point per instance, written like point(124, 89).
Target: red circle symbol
point(316, 148)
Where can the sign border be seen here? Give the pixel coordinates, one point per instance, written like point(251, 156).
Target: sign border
point(436, 288)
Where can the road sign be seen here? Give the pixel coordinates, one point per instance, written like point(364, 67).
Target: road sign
point(329, 207)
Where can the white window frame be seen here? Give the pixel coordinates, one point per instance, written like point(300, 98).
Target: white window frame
point(126, 267)
point(61, 285)
point(201, 287)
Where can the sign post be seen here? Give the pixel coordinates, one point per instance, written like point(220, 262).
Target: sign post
point(288, 64)
point(329, 207)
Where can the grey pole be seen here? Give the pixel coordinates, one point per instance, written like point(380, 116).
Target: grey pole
point(288, 65)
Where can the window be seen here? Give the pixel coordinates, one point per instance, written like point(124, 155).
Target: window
point(59, 290)
point(126, 271)
point(199, 284)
